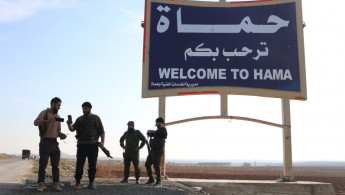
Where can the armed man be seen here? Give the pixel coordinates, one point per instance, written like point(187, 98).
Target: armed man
point(50, 129)
point(132, 149)
point(89, 128)
point(157, 142)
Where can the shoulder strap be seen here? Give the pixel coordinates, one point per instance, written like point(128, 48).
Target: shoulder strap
point(43, 128)
point(46, 115)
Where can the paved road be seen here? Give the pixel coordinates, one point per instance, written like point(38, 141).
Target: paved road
point(14, 170)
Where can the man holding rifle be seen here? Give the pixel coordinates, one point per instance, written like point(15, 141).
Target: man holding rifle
point(89, 128)
point(157, 142)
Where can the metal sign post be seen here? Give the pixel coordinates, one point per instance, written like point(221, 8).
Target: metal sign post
point(161, 113)
point(223, 104)
point(287, 148)
point(286, 131)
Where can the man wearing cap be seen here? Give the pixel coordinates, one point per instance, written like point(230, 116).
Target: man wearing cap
point(157, 142)
point(132, 148)
point(50, 130)
point(89, 128)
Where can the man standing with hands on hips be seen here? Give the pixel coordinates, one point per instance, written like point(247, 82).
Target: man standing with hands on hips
point(157, 142)
point(50, 129)
point(132, 138)
point(89, 128)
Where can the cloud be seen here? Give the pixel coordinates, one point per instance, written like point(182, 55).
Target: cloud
point(14, 10)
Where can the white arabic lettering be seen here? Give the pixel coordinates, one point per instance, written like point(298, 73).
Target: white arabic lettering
point(201, 52)
point(163, 24)
point(207, 52)
point(274, 24)
point(245, 51)
point(261, 53)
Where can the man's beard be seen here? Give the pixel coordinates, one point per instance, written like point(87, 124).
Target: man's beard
point(55, 111)
point(86, 113)
point(130, 129)
point(159, 126)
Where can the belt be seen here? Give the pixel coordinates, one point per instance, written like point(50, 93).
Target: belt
point(87, 142)
point(49, 139)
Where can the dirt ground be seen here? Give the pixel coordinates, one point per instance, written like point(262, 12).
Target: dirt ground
point(14, 170)
point(112, 169)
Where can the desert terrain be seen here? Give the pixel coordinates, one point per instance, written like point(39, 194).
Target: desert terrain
point(110, 169)
point(114, 169)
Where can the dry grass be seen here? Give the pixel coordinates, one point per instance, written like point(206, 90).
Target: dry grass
point(111, 169)
point(67, 168)
point(105, 169)
point(6, 156)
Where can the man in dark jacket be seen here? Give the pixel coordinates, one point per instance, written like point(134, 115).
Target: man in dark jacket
point(89, 128)
point(157, 142)
point(132, 148)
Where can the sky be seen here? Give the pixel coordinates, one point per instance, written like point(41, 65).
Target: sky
point(92, 51)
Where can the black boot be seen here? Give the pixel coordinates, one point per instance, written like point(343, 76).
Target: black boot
point(125, 180)
point(158, 183)
point(150, 181)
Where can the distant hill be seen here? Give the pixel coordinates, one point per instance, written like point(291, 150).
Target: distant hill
point(6, 156)
point(259, 163)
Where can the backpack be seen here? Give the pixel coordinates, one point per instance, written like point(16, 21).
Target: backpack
point(43, 128)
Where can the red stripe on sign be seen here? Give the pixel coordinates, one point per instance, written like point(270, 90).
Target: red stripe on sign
point(197, 92)
point(144, 33)
point(299, 98)
point(233, 2)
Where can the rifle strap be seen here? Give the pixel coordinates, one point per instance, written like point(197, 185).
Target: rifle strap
point(43, 127)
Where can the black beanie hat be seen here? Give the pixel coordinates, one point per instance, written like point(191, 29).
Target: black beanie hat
point(86, 104)
point(160, 119)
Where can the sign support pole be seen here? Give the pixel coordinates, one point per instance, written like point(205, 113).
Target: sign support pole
point(287, 146)
point(224, 105)
point(161, 113)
